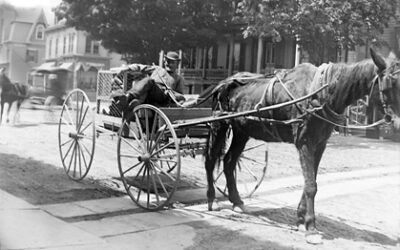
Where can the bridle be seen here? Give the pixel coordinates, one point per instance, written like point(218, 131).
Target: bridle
point(385, 84)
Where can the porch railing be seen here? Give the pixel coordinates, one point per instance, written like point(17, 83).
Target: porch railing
point(198, 80)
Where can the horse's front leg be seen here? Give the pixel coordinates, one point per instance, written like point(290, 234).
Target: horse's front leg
point(238, 144)
point(216, 143)
point(310, 156)
point(302, 207)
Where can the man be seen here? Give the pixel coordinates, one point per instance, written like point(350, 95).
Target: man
point(161, 88)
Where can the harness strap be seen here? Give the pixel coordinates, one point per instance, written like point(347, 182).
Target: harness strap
point(267, 91)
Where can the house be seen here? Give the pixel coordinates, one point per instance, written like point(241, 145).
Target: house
point(232, 53)
point(22, 40)
point(75, 57)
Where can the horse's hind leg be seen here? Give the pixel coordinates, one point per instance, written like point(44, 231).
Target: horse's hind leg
point(1, 112)
point(16, 115)
point(238, 144)
point(8, 112)
point(215, 145)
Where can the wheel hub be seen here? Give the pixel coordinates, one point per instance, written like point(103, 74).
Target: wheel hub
point(75, 135)
point(145, 157)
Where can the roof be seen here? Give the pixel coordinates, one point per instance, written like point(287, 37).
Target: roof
point(24, 24)
point(28, 15)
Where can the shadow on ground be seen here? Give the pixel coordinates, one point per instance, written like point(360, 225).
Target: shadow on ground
point(331, 229)
point(41, 183)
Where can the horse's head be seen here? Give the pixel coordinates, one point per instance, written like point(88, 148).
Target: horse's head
point(389, 87)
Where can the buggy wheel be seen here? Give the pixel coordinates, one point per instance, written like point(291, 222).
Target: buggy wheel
point(249, 171)
point(76, 134)
point(149, 157)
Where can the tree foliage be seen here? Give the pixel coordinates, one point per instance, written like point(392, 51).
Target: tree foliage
point(139, 29)
point(320, 26)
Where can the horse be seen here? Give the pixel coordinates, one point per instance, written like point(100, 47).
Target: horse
point(10, 93)
point(307, 124)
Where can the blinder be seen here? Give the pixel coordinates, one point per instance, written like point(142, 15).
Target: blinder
point(385, 85)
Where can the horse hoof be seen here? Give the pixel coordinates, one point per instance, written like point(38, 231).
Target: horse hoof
point(239, 209)
point(314, 238)
point(301, 228)
point(210, 206)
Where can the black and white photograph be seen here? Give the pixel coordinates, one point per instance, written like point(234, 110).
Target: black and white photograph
point(199, 124)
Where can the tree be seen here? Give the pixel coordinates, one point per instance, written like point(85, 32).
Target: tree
point(320, 26)
point(139, 29)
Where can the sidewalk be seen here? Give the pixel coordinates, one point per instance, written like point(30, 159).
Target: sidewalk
point(24, 226)
point(116, 223)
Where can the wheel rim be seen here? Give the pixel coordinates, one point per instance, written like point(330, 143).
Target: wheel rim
point(149, 158)
point(249, 172)
point(76, 135)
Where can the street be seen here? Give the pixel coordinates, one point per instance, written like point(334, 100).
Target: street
point(357, 204)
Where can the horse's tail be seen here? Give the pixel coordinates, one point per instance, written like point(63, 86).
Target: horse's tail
point(216, 143)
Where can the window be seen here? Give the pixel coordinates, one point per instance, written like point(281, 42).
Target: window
point(269, 54)
point(88, 46)
point(56, 45)
point(50, 47)
point(96, 48)
point(65, 45)
point(32, 55)
point(40, 32)
point(71, 38)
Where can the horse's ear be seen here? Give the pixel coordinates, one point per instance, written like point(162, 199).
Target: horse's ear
point(378, 60)
point(1, 70)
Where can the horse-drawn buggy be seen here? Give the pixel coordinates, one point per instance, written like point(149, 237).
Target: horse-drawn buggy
point(300, 106)
point(151, 146)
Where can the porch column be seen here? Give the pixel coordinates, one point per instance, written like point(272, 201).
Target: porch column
point(230, 56)
point(75, 77)
point(297, 53)
point(204, 65)
point(180, 62)
point(259, 54)
point(161, 58)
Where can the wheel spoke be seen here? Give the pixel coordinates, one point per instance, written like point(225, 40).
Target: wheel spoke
point(69, 149)
point(140, 131)
point(162, 148)
point(253, 147)
point(161, 183)
point(83, 130)
point(79, 158)
point(140, 151)
point(72, 157)
point(163, 171)
point(66, 142)
point(130, 168)
point(146, 117)
point(154, 184)
point(83, 157)
point(160, 135)
point(68, 124)
point(136, 138)
point(153, 129)
point(248, 170)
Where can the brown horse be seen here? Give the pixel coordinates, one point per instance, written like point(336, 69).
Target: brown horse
point(10, 93)
point(308, 125)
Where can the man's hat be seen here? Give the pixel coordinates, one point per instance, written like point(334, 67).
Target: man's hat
point(173, 56)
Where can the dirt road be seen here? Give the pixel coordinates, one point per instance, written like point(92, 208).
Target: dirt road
point(357, 204)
